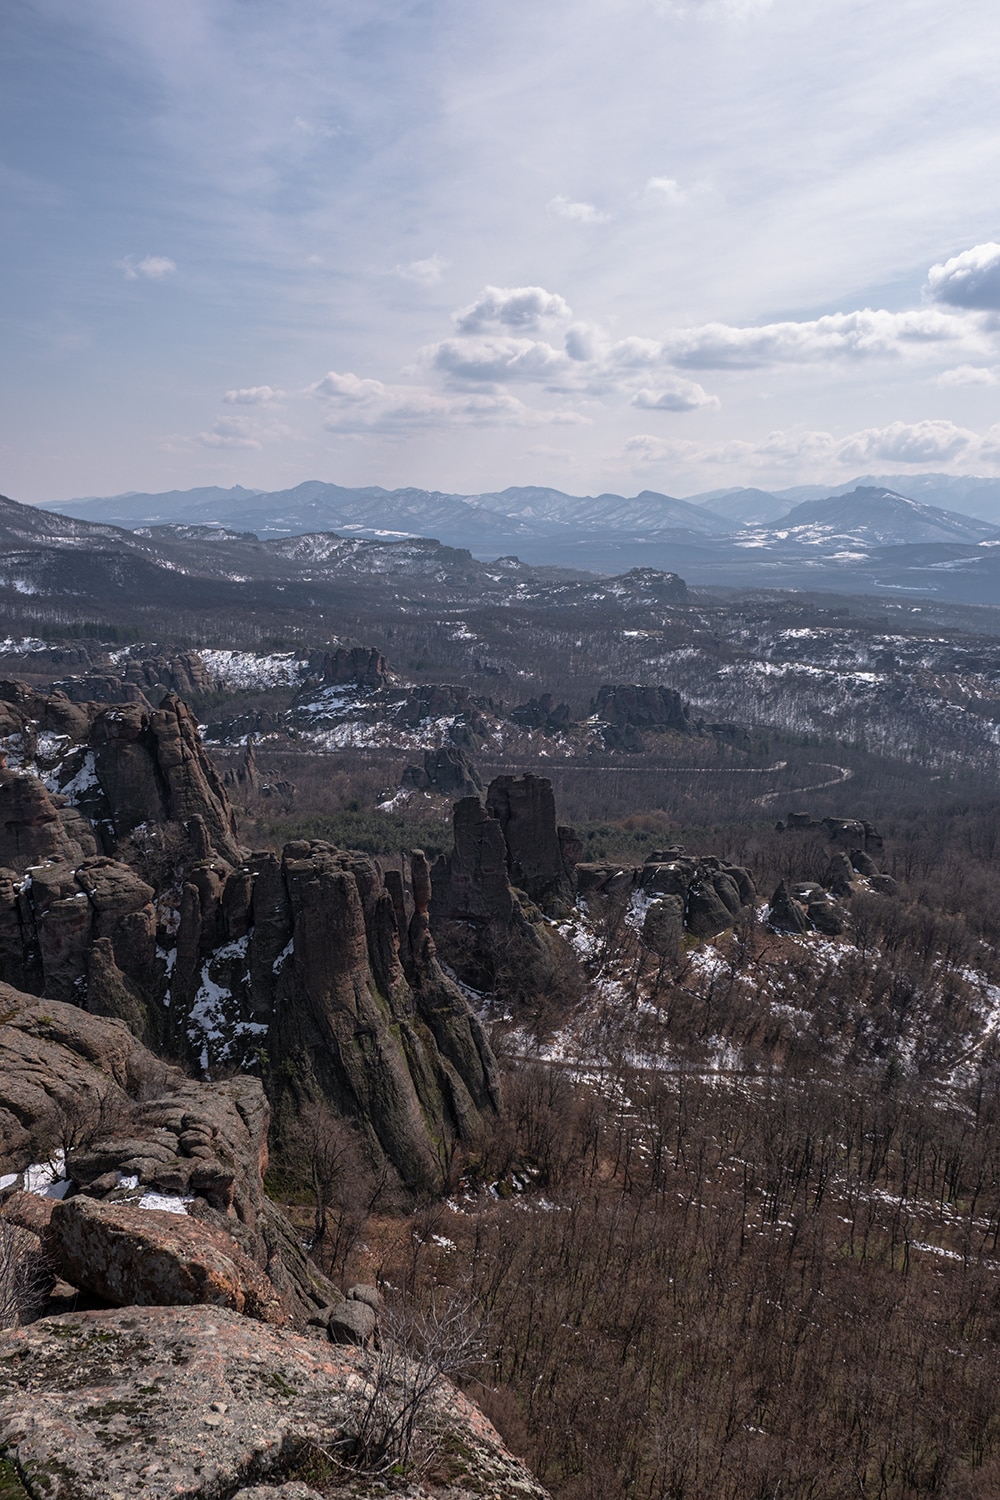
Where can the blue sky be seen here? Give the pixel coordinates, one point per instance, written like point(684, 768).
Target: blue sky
point(606, 244)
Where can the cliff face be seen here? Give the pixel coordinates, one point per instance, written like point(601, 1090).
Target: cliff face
point(127, 892)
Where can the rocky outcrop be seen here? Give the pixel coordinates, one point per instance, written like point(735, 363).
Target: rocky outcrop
point(298, 967)
point(152, 768)
point(542, 713)
point(132, 1256)
point(398, 1052)
point(847, 831)
point(37, 825)
point(447, 770)
point(363, 666)
point(198, 1401)
point(129, 1125)
point(471, 884)
point(824, 905)
point(627, 709)
point(525, 808)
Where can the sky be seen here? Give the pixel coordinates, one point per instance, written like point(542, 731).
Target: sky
point(602, 245)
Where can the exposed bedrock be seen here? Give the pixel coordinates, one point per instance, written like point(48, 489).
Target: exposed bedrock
point(129, 1125)
point(199, 1402)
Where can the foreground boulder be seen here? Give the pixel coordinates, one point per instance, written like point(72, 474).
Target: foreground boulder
point(134, 1256)
point(197, 1401)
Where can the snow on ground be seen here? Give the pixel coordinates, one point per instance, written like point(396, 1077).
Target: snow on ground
point(47, 1179)
point(170, 1203)
point(214, 1025)
point(246, 670)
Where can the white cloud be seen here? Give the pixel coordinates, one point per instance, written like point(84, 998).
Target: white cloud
point(667, 189)
point(253, 395)
point(970, 280)
point(643, 449)
point(153, 267)
point(497, 359)
point(423, 272)
point(936, 442)
point(867, 333)
point(348, 387)
point(229, 432)
point(577, 213)
point(512, 307)
point(405, 408)
point(674, 394)
point(580, 342)
point(928, 442)
point(968, 375)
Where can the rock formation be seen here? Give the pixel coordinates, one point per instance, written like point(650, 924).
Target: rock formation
point(291, 966)
point(81, 1090)
point(199, 1401)
point(447, 770)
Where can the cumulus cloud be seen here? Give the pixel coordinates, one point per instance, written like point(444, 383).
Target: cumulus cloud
point(577, 213)
point(253, 395)
point(968, 375)
point(643, 448)
point(867, 333)
point(580, 342)
point(674, 394)
point(970, 280)
point(497, 359)
point(520, 307)
point(152, 267)
point(932, 441)
point(348, 387)
point(423, 272)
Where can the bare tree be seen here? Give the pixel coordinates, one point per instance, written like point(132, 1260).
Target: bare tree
point(24, 1277)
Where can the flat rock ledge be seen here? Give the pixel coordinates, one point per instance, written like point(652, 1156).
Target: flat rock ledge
point(199, 1403)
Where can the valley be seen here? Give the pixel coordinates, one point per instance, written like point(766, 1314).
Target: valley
point(605, 963)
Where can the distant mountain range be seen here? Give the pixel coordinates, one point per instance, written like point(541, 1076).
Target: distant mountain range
point(871, 539)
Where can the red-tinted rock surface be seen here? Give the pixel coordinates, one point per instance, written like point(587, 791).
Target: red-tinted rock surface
point(195, 1401)
point(140, 1257)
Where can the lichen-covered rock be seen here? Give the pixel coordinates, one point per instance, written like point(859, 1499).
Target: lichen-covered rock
point(198, 1401)
point(139, 1257)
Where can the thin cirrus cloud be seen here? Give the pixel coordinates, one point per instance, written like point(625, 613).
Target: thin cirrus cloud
point(918, 444)
point(253, 395)
point(427, 272)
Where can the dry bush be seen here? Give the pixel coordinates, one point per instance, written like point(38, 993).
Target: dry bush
point(24, 1275)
